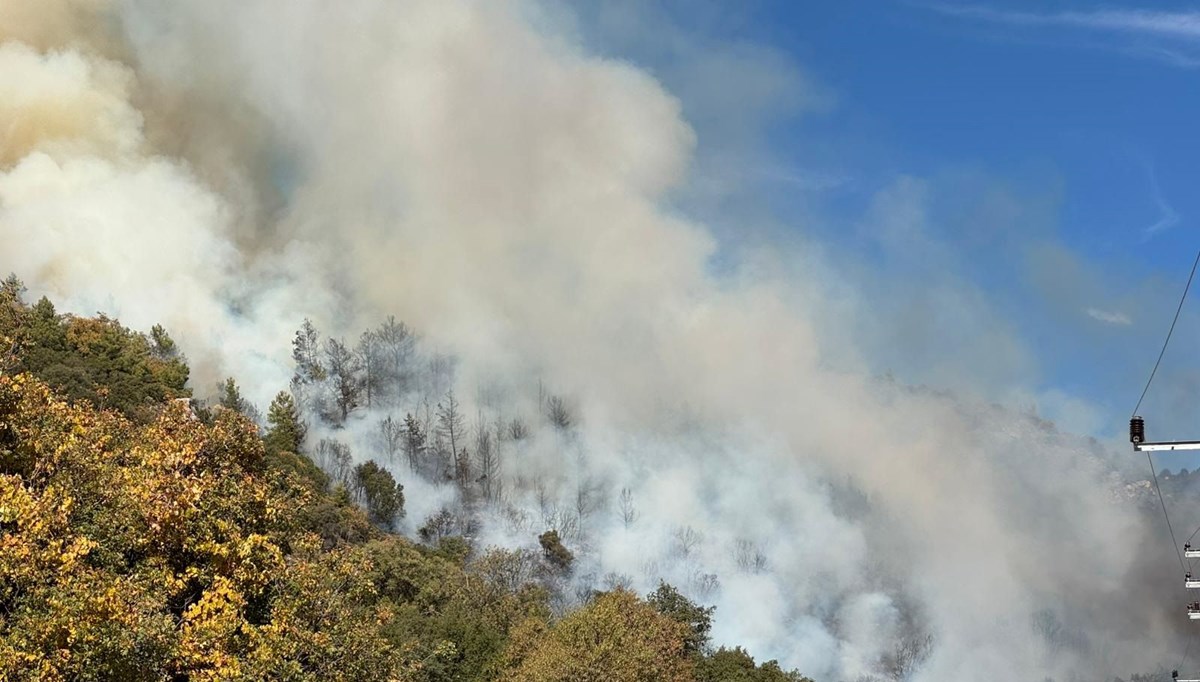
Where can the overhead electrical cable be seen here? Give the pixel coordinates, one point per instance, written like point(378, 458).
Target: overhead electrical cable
point(1165, 515)
point(1169, 333)
point(1149, 460)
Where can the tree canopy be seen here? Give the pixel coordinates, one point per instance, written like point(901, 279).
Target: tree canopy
point(145, 538)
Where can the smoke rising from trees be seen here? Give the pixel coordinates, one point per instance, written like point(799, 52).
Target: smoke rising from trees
point(231, 169)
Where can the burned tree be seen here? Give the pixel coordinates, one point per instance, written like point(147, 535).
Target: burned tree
point(558, 413)
point(391, 437)
point(629, 512)
point(452, 429)
point(396, 346)
point(487, 459)
point(414, 441)
point(343, 367)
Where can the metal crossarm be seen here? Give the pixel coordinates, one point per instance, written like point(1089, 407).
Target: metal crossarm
point(1167, 446)
point(1137, 436)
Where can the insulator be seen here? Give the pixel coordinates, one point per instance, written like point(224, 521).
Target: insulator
point(1137, 430)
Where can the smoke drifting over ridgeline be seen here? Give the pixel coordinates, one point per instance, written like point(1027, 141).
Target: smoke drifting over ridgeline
point(229, 168)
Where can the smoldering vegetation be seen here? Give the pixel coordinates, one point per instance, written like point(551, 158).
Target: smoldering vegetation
point(230, 169)
point(514, 464)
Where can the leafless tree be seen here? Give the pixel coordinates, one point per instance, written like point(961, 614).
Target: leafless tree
point(686, 539)
point(391, 437)
point(516, 520)
point(397, 345)
point(334, 457)
point(629, 513)
point(749, 557)
point(565, 521)
point(910, 651)
point(370, 362)
point(487, 459)
point(451, 428)
point(704, 584)
point(614, 581)
point(440, 372)
point(588, 496)
point(517, 430)
point(544, 502)
point(557, 412)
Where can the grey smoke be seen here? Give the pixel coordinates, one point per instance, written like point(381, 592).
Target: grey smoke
point(228, 168)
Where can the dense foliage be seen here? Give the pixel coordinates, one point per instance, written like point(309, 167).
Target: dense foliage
point(95, 359)
point(145, 538)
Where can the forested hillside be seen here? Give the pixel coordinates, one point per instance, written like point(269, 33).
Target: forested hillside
point(145, 536)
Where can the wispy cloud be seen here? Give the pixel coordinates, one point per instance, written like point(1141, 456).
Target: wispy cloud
point(1168, 36)
point(1109, 317)
point(1168, 217)
point(1164, 24)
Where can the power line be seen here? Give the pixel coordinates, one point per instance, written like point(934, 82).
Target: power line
point(1169, 332)
point(1165, 515)
point(1188, 650)
point(1149, 459)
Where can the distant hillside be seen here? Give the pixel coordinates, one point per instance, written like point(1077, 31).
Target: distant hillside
point(144, 538)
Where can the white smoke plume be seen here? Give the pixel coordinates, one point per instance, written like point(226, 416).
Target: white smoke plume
point(229, 168)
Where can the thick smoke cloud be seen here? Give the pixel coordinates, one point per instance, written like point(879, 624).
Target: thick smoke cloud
point(228, 168)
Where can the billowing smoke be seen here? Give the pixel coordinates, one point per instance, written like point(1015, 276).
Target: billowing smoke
point(230, 168)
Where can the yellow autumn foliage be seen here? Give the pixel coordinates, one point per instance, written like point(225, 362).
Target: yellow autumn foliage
point(146, 551)
point(142, 541)
point(615, 638)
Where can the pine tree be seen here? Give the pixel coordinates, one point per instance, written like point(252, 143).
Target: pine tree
point(451, 427)
point(286, 430)
point(12, 308)
point(306, 352)
point(414, 441)
point(231, 397)
point(162, 345)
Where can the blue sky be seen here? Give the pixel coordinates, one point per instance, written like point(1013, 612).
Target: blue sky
point(1046, 151)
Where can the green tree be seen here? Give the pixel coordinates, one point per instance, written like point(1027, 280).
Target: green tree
point(45, 338)
point(284, 442)
point(231, 397)
point(668, 601)
point(735, 665)
point(383, 496)
point(309, 372)
point(285, 429)
point(555, 552)
point(615, 638)
point(164, 347)
point(12, 306)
